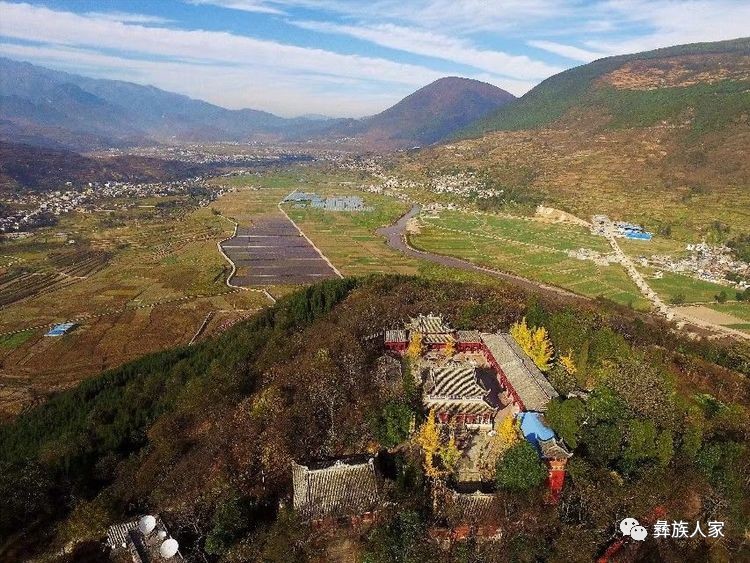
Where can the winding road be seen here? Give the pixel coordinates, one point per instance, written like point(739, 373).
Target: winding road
point(395, 236)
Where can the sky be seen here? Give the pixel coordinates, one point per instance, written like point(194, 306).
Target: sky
point(345, 58)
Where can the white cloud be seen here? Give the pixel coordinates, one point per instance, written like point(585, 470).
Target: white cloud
point(567, 51)
point(431, 44)
point(663, 23)
point(125, 17)
point(256, 6)
point(31, 23)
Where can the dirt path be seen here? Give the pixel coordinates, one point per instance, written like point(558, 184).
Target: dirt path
point(395, 236)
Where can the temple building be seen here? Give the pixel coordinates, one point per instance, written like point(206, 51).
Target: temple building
point(459, 396)
point(435, 333)
point(342, 490)
point(529, 388)
point(551, 451)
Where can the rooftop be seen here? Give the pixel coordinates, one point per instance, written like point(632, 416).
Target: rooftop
point(524, 377)
point(337, 490)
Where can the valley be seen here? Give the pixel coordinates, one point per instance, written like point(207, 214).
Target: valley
point(436, 321)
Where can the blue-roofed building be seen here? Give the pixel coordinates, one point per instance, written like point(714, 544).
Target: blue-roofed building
point(554, 454)
point(61, 329)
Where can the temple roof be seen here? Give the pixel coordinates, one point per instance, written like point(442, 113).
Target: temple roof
point(552, 449)
point(455, 379)
point(341, 489)
point(470, 336)
point(429, 324)
point(470, 507)
point(522, 374)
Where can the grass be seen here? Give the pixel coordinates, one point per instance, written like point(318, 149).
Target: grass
point(740, 309)
point(15, 340)
point(691, 289)
point(531, 249)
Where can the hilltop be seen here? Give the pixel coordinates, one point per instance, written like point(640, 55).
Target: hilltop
point(433, 113)
point(660, 138)
point(205, 436)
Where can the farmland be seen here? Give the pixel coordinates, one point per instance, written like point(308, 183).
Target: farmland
point(528, 248)
point(136, 280)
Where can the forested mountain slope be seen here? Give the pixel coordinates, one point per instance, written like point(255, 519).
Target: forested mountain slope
point(205, 435)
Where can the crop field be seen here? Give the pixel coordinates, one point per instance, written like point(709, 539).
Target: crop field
point(271, 251)
point(136, 281)
point(530, 249)
point(348, 238)
point(676, 287)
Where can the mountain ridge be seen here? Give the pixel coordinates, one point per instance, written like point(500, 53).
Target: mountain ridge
point(56, 109)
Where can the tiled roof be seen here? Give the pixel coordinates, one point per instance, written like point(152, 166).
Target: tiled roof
point(527, 381)
point(340, 489)
point(471, 507)
point(429, 324)
point(552, 449)
point(396, 336)
point(437, 338)
point(455, 379)
point(471, 336)
point(459, 406)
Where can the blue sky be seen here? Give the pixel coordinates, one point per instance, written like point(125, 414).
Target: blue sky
point(345, 57)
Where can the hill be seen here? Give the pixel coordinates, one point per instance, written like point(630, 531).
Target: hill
point(39, 168)
point(44, 107)
point(206, 435)
point(433, 113)
point(660, 137)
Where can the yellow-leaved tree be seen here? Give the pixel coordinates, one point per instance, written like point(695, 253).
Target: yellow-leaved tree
point(535, 342)
point(428, 439)
point(450, 454)
point(507, 433)
point(450, 348)
point(415, 345)
point(434, 450)
point(568, 363)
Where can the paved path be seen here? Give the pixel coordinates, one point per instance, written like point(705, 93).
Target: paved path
point(396, 238)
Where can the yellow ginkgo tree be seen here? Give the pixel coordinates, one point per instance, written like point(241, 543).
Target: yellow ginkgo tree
point(415, 345)
point(535, 342)
point(439, 458)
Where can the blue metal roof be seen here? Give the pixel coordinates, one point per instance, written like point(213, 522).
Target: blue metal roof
point(60, 329)
point(533, 428)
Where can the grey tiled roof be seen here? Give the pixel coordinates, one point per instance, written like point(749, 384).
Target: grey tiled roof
point(527, 381)
point(429, 324)
point(395, 336)
point(552, 449)
point(470, 507)
point(469, 336)
point(454, 379)
point(338, 490)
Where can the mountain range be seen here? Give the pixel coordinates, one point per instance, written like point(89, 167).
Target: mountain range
point(662, 136)
point(44, 107)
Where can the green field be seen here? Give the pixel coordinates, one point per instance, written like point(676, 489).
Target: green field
point(531, 249)
point(740, 309)
point(692, 290)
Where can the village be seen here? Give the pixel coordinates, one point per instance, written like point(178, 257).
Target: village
point(29, 210)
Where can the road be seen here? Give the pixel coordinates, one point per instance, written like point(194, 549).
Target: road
point(395, 236)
